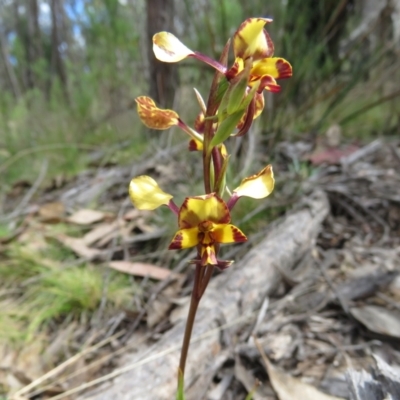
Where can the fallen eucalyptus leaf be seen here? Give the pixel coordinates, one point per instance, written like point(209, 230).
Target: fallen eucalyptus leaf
point(141, 269)
point(289, 388)
point(86, 217)
point(378, 319)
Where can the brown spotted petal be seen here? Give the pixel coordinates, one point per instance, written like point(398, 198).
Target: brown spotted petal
point(184, 239)
point(209, 207)
point(154, 117)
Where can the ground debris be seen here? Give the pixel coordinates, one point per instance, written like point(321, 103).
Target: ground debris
point(332, 314)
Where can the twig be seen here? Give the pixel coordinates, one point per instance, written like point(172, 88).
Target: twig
point(388, 300)
point(88, 367)
point(346, 348)
point(65, 364)
point(361, 153)
point(374, 216)
point(329, 260)
point(260, 317)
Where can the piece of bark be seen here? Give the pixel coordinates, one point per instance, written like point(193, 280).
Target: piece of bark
point(235, 293)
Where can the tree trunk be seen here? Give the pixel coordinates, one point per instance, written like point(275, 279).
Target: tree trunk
point(163, 76)
point(34, 43)
point(11, 77)
point(56, 59)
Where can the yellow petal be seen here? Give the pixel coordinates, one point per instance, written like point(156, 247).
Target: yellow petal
point(154, 117)
point(252, 40)
point(257, 186)
point(209, 207)
point(168, 48)
point(146, 194)
point(227, 233)
point(276, 67)
point(184, 239)
point(208, 256)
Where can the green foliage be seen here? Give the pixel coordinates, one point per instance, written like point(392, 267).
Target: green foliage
point(105, 71)
point(45, 289)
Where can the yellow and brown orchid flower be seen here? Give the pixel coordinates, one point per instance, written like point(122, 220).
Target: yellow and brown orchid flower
point(257, 186)
point(145, 194)
point(204, 221)
point(251, 40)
point(253, 49)
point(161, 119)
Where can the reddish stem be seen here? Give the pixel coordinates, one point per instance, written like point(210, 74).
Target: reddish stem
point(201, 279)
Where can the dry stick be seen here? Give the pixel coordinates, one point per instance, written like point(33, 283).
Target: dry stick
point(86, 368)
point(65, 364)
point(261, 350)
point(146, 360)
point(329, 260)
point(354, 214)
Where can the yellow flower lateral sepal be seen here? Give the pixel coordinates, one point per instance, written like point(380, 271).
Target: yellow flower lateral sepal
point(204, 221)
point(154, 117)
point(257, 186)
point(168, 48)
point(276, 67)
point(145, 193)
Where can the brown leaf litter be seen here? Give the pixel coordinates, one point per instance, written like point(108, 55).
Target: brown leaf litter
point(334, 312)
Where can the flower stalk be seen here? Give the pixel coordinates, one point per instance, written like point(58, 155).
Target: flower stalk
point(235, 99)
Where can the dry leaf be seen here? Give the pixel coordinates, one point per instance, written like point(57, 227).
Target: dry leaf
point(108, 237)
point(289, 388)
point(141, 269)
point(78, 246)
point(99, 232)
point(134, 213)
point(331, 155)
point(52, 212)
point(86, 217)
point(378, 319)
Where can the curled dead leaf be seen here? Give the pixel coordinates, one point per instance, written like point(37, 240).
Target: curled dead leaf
point(141, 269)
point(86, 217)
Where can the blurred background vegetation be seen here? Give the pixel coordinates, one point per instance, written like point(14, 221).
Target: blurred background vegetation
point(71, 69)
